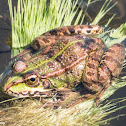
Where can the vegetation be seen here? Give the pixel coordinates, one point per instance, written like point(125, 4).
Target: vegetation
point(30, 19)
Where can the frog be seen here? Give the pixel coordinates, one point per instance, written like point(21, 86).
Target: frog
point(62, 58)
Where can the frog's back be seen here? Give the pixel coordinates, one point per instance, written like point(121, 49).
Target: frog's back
point(71, 54)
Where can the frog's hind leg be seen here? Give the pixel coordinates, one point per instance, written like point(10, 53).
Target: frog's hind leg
point(110, 66)
point(90, 73)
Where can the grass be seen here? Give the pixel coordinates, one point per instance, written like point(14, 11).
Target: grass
point(31, 19)
point(104, 9)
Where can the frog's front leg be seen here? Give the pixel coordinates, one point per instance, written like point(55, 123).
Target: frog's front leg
point(97, 77)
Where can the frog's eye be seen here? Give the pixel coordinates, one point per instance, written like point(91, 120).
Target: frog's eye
point(32, 81)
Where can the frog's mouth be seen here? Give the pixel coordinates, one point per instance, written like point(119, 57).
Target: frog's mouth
point(31, 93)
point(34, 87)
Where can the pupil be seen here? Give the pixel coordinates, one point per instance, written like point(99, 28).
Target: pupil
point(32, 79)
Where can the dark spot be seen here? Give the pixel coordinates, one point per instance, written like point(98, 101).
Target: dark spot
point(92, 40)
point(89, 41)
point(81, 26)
point(89, 26)
point(72, 31)
point(36, 92)
point(59, 58)
point(91, 66)
point(105, 68)
point(79, 31)
point(108, 58)
point(95, 59)
point(53, 90)
point(16, 93)
point(87, 47)
point(88, 31)
point(50, 53)
point(65, 41)
point(97, 31)
point(119, 45)
point(53, 32)
point(51, 65)
point(90, 74)
point(78, 74)
point(46, 40)
point(111, 51)
point(73, 57)
point(65, 33)
point(104, 47)
point(71, 71)
point(36, 44)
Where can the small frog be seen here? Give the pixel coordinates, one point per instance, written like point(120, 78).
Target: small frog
point(61, 59)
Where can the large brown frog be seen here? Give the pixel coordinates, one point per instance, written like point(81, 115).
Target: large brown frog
point(61, 59)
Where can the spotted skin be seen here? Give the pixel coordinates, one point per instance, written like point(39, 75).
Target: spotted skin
point(64, 57)
point(52, 36)
point(74, 30)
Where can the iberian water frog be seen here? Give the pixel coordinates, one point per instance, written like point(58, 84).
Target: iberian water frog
point(61, 59)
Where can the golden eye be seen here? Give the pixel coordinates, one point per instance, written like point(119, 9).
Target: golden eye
point(32, 81)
